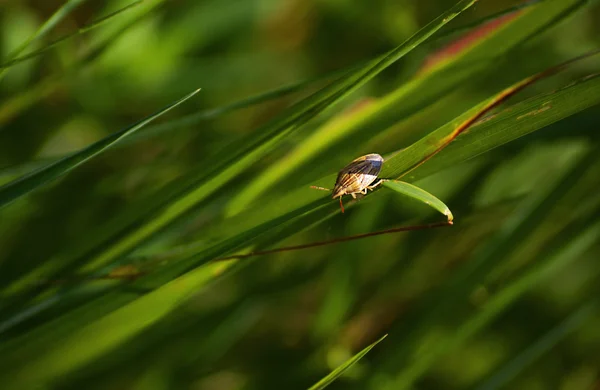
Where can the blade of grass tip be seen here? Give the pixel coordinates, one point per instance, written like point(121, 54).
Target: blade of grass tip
point(48, 25)
point(420, 195)
point(82, 30)
point(28, 183)
point(326, 381)
point(505, 374)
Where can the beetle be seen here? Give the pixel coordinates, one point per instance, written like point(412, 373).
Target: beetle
point(357, 177)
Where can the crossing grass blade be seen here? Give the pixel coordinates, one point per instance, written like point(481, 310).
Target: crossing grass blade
point(441, 76)
point(329, 379)
point(421, 195)
point(48, 25)
point(24, 185)
point(508, 125)
point(58, 41)
point(241, 156)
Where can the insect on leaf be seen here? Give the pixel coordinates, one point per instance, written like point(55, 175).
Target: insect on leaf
point(420, 195)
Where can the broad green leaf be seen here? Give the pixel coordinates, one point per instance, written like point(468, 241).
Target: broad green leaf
point(343, 134)
point(81, 30)
point(420, 195)
point(326, 381)
point(22, 186)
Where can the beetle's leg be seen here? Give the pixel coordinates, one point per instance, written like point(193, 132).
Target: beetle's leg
point(353, 195)
point(364, 191)
point(375, 185)
point(320, 188)
point(341, 204)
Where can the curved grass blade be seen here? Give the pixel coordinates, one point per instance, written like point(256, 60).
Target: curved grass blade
point(82, 30)
point(28, 183)
point(323, 383)
point(420, 195)
point(48, 25)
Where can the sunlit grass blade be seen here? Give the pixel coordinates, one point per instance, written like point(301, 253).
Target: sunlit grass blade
point(419, 194)
point(82, 30)
point(326, 381)
point(22, 186)
point(48, 25)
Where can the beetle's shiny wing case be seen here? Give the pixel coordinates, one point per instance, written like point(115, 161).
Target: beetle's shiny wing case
point(358, 175)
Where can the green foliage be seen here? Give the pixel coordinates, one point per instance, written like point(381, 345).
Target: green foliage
point(192, 253)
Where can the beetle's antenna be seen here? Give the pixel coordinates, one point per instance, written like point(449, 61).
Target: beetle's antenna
point(320, 188)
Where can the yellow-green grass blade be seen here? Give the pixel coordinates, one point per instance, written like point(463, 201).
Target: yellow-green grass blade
point(24, 185)
point(419, 194)
point(340, 136)
point(329, 379)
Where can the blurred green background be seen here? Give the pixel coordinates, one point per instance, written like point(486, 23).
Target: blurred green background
point(505, 298)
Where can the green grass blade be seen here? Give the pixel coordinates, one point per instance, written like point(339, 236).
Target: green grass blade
point(80, 31)
point(417, 193)
point(326, 381)
point(242, 156)
point(30, 182)
point(517, 121)
point(81, 346)
point(508, 125)
point(48, 25)
point(343, 134)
